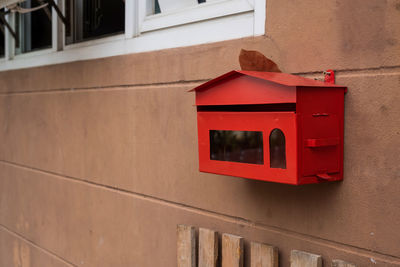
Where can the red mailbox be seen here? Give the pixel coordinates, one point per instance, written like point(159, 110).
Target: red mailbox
point(270, 126)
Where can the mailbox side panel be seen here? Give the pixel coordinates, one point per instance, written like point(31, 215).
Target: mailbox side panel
point(320, 138)
point(264, 122)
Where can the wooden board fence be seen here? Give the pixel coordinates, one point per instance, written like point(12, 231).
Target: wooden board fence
point(208, 248)
point(301, 259)
point(232, 251)
point(261, 255)
point(186, 250)
point(340, 263)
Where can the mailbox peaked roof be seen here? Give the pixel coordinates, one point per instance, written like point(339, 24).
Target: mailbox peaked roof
point(274, 77)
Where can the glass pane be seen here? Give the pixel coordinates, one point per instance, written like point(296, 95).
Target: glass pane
point(33, 28)
point(91, 19)
point(2, 50)
point(153, 7)
point(237, 146)
point(158, 6)
point(277, 149)
point(2, 41)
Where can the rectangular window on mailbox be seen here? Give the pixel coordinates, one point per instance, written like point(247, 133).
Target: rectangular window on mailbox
point(237, 146)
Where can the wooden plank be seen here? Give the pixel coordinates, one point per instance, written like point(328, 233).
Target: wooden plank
point(340, 263)
point(304, 259)
point(232, 251)
point(208, 248)
point(263, 255)
point(186, 246)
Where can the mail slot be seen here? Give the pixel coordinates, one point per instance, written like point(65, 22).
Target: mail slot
point(273, 127)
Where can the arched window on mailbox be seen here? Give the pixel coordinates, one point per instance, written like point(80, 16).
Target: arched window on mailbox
point(277, 149)
point(271, 126)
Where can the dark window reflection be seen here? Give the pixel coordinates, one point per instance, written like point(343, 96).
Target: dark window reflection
point(2, 41)
point(277, 149)
point(157, 10)
point(237, 146)
point(2, 50)
point(91, 19)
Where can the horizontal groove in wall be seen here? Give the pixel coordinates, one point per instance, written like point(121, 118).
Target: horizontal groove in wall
point(110, 88)
point(359, 251)
point(33, 244)
point(393, 70)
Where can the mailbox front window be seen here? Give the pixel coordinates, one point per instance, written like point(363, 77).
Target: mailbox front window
point(277, 149)
point(237, 146)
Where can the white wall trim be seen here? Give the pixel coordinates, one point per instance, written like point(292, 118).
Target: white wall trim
point(57, 28)
point(259, 16)
point(131, 18)
point(9, 40)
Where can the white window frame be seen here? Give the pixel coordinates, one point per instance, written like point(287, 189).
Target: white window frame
point(213, 21)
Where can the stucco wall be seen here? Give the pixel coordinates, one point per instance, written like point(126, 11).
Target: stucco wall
point(98, 159)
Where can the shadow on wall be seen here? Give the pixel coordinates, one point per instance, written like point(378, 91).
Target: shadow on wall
point(315, 192)
point(311, 204)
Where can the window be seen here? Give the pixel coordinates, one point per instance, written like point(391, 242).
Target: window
point(33, 28)
point(2, 48)
point(91, 19)
point(2, 39)
point(237, 146)
point(277, 149)
point(102, 28)
point(158, 6)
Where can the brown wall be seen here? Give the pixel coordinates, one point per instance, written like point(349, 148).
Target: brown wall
point(98, 159)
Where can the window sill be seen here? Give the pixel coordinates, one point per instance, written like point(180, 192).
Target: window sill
point(94, 42)
point(36, 53)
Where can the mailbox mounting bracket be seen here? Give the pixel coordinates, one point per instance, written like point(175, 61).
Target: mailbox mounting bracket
point(329, 76)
